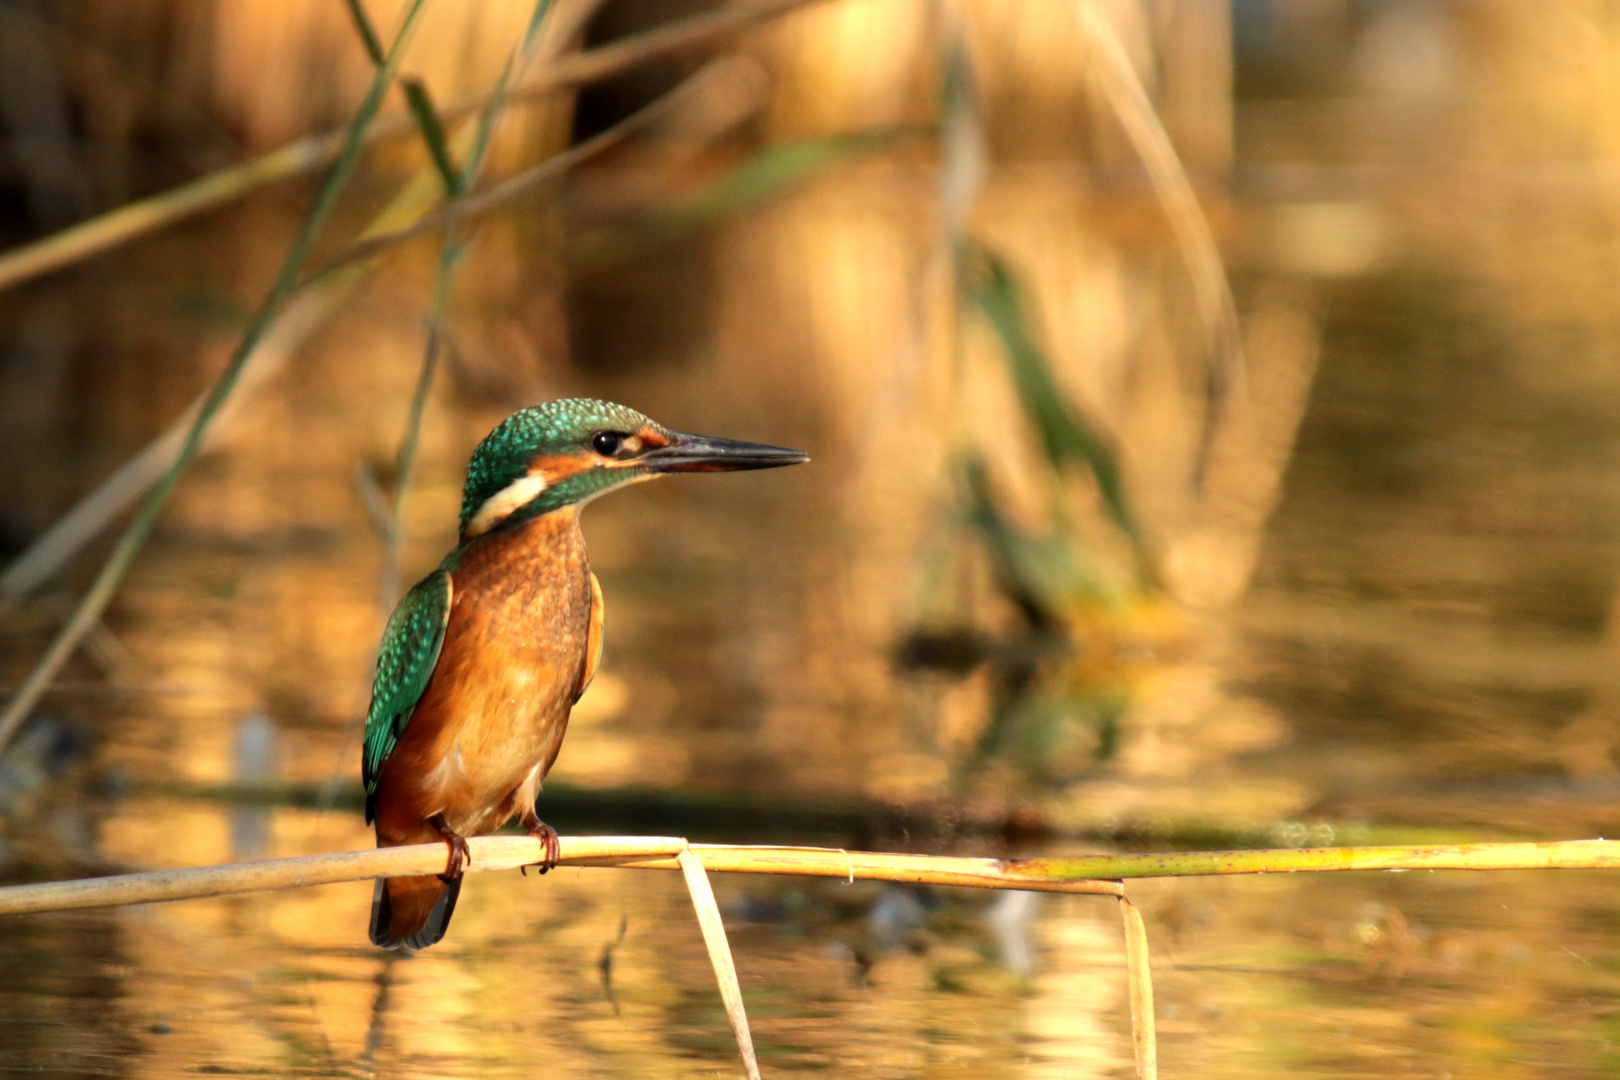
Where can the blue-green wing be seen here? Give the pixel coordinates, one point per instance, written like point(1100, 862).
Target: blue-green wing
point(410, 649)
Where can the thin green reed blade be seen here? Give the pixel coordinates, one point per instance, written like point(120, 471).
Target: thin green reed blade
point(367, 32)
point(449, 258)
point(433, 133)
point(416, 97)
point(1067, 436)
point(1038, 596)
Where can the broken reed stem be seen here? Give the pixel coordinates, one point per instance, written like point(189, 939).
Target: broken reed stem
point(312, 152)
point(725, 970)
point(1139, 980)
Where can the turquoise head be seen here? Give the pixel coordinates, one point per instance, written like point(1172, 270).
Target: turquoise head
point(566, 452)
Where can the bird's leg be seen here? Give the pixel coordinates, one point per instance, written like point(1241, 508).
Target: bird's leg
point(460, 856)
point(546, 835)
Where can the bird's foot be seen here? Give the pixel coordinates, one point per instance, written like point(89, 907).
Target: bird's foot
point(547, 837)
point(460, 856)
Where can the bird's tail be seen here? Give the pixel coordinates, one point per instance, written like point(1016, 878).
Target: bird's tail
point(412, 911)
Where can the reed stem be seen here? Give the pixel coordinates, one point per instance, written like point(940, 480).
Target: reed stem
point(1093, 874)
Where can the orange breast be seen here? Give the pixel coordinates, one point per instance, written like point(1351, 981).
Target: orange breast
point(497, 705)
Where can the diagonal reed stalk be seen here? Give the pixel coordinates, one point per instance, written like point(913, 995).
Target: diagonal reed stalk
point(499, 194)
point(1119, 83)
point(458, 183)
point(416, 99)
point(89, 610)
point(305, 314)
point(58, 544)
point(41, 560)
point(145, 216)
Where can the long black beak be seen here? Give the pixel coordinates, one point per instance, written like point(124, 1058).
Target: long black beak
point(701, 453)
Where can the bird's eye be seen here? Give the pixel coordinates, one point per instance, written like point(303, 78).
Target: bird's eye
point(607, 443)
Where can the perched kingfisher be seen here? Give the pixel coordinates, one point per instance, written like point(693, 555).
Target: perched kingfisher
point(484, 658)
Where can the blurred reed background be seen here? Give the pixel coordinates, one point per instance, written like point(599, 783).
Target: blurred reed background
point(1213, 411)
point(813, 300)
point(783, 255)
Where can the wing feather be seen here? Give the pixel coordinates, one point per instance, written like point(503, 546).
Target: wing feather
point(410, 649)
point(593, 638)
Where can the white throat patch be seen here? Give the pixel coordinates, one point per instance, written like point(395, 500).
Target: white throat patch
point(504, 502)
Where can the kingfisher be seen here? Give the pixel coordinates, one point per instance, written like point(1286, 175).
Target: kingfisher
point(483, 659)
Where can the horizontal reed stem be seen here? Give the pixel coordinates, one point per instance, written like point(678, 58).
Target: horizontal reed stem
point(1554, 855)
point(1094, 874)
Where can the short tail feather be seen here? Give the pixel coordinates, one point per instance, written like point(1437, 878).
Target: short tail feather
point(412, 911)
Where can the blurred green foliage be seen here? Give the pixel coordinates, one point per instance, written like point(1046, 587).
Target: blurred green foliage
point(1059, 674)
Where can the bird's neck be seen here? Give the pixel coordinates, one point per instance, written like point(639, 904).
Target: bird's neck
point(509, 548)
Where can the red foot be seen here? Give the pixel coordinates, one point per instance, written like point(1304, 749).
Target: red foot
point(547, 836)
point(460, 857)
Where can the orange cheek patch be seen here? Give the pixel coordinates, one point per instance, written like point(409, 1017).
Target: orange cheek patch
point(554, 470)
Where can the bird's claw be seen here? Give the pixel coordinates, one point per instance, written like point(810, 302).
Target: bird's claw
point(548, 838)
point(460, 855)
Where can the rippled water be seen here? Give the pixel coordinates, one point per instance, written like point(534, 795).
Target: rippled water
point(1410, 975)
